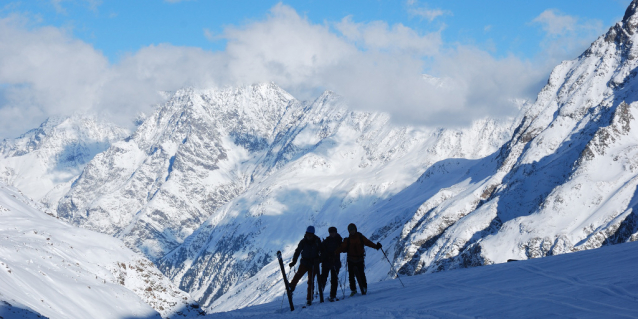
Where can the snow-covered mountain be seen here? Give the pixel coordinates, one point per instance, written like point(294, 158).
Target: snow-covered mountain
point(212, 184)
point(566, 181)
point(221, 179)
point(50, 268)
point(44, 161)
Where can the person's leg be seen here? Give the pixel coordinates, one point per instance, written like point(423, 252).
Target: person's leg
point(334, 281)
point(300, 272)
point(361, 277)
point(351, 275)
point(325, 269)
point(311, 286)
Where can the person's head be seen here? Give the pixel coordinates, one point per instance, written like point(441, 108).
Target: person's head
point(352, 229)
point(310, 231)
point(333, 231)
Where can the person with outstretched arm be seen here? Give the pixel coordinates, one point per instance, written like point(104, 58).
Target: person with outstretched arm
point(353, 245)
point(309, 248)
point(331, 262)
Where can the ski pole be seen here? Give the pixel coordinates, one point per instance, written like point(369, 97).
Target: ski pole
point(391, 266)
point(343, 291)
point(346, 278)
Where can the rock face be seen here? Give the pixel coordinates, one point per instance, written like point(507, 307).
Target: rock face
point(44, 161)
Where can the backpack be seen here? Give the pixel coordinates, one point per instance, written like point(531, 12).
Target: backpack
point(311, 249)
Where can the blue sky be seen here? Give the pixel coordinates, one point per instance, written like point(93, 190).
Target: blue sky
point(118, 27)
point(114, 56)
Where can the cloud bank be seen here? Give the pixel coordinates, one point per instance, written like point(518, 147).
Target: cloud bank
point(45, 71)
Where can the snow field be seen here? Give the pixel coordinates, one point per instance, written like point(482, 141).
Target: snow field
point(599, 283)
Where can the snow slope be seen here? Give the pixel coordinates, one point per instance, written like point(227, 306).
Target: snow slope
point(600, 283)
point(59, 271)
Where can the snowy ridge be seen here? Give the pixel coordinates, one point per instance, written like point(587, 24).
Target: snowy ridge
point(566, 181)
point(59, 271)
point(44, 161)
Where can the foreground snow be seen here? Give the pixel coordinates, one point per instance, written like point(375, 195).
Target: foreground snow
point(590, 284)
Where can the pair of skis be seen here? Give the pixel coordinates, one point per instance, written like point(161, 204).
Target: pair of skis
point(288, 291)
point(283, 272)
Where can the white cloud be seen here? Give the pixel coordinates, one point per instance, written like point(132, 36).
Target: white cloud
point(208, 34)
point(566, 36)
point(375, 66)
point(45, 72)
point(555, 23)
point(379, 35)
point(57, 4)
point(425, 13)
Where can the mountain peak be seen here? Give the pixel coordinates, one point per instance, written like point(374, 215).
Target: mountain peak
point(623, 31)
point(630, 14)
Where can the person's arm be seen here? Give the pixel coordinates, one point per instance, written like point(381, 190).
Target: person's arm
point(296, 255)
point(370, 244)
point(341, 248)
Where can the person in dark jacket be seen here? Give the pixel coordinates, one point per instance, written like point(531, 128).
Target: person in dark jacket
point(354, 246)
point(331, 262)
point(310, 249)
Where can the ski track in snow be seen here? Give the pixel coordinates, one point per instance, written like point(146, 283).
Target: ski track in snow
point(590, 284)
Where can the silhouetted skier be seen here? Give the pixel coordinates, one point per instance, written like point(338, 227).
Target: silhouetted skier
point(353, 245)
point(330, 262)
point(309, 248)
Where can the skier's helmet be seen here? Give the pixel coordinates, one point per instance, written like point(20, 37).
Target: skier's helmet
point(311, 229)
point(352, 227)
